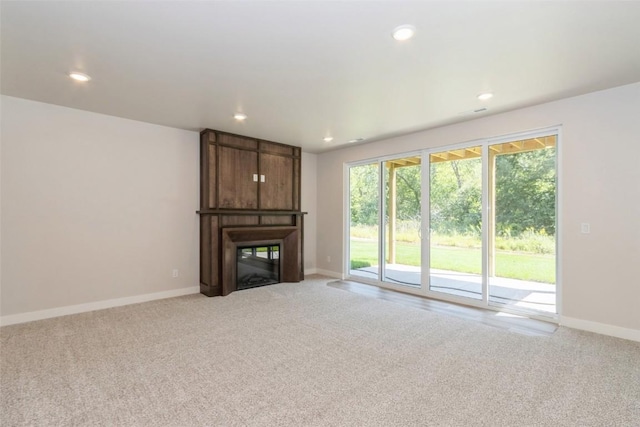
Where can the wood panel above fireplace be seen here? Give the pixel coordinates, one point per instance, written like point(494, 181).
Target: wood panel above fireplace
point(249, 192)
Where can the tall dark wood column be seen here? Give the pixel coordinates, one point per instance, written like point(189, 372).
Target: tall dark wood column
point(249, 192)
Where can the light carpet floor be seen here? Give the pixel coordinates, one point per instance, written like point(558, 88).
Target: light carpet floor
point(307, 355)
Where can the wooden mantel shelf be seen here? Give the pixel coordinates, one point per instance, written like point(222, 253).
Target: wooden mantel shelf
point(247, 212)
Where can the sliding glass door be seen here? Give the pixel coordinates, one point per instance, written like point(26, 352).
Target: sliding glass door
point(402, 215)
point(455, 221)
point(474, 222)
point(364, 219)
point(521, 265)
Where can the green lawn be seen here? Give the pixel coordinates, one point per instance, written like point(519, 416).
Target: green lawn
point(533, 267)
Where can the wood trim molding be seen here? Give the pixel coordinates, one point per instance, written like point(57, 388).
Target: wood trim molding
point(248, 212)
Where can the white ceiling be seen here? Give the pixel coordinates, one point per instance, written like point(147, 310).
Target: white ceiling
point(302, 70)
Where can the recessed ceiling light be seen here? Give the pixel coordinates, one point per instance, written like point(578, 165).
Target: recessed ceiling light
point(351, 141)
point(328, 139)
point(240, 116)
point(81, 77)
point(485, 96)
point(404, 32)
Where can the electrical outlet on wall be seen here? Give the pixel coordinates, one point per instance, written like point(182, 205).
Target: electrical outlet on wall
point(328, 258)
point(175, 273)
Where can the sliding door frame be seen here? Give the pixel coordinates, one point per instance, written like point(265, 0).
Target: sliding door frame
point(346, 261)
point(381, 216)
point(424, 289)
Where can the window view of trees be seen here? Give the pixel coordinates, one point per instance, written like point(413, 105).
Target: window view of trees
point(456, 197)
point(364, 195)
point(525, 194)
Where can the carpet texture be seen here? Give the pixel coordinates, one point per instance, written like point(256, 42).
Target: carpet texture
point(307, 355)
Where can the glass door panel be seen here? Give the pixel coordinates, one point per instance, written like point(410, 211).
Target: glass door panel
point(491, 212)
point(522, 224)
point(455, 209)
point(364, 215)
point(402, 246)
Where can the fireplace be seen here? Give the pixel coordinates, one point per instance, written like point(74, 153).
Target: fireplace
point(249, 196)
point(257, 266)
point(278, 251)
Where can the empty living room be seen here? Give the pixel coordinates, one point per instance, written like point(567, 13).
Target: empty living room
point(319, 213)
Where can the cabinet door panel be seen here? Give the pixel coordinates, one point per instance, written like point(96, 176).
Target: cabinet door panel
point(277, 189)
point(237, 167)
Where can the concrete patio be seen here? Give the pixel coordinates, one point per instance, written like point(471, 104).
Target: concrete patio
point(502, 291)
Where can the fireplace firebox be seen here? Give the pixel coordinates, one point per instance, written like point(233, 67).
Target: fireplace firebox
point(288, 240)
point(257, 266)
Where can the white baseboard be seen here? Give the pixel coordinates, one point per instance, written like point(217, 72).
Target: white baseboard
point(310, 271)
point(601, 328)
point(329, 273)
point(92, 306)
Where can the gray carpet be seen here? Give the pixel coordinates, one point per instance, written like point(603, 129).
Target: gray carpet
point(307, 354)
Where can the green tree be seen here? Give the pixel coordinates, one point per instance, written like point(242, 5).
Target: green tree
point(408, 192)
point(456, 195)
point(363, 184)
point(526, 192)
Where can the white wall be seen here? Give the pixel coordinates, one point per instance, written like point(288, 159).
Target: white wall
point(93, 207)
point(97, 210)
point(1, 122)
point(600, 184)
point(309, 205)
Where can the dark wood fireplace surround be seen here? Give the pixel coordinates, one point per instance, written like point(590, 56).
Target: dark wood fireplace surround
point(249, 196)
